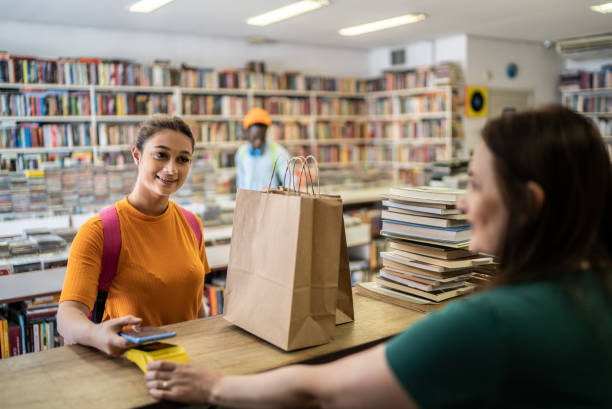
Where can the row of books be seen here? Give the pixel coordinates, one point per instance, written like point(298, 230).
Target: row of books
point(46, 103)
point(591, 103)
point(414, 177)
point(28, 327)
point(341, 106)
point(344, 154)
point(338, 130)
point(416, 104)
point(402, 79)
point(133, 104)
point(26, 135)
point(214, 105)
point(428, 260)
point(427, 128)
point(95, 71)
point(214, 298)
point(580, 79)
point(116, 134)
point(283, 105)
point(421, 154)
point(604, 125)
point(422, 104)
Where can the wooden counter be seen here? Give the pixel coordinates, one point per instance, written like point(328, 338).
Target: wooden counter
point(80, 377)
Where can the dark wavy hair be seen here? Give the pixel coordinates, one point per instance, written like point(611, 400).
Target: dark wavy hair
point(160, 122)
point(565, 154)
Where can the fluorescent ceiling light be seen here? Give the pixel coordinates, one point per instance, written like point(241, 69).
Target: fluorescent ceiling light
point(286, 12)
point(603, 8)
point(147, 6)
point(382, 24)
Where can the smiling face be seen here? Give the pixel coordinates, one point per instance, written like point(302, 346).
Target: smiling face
point(484, 204)
point(163, 163)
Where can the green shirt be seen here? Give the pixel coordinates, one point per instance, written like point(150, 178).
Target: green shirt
point(521, 346)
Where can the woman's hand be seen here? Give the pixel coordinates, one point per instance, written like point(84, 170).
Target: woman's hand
point(106, 335)
point(179, 382)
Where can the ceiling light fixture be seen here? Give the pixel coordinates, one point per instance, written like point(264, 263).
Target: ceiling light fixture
point(382, 24)
point(286, 12)
point(147, 6)
point(603, 8)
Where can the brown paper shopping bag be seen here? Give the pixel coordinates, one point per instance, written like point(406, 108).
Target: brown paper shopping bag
point(288, 279)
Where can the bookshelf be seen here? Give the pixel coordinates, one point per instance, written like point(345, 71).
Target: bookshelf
point(398, 123)
point(98, 104)
point(590, 93)
point(419, 126)
point(596, 104)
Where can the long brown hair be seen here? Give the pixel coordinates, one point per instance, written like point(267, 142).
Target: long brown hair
point(565, 154)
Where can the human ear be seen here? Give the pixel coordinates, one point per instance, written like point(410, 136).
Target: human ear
point(536, 197)
point(136, 155)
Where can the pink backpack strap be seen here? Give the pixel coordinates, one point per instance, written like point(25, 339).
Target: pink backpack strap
point(193, 223)
point(110, 258)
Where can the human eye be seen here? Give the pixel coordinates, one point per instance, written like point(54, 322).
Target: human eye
point(184, 159)
point(160, 155)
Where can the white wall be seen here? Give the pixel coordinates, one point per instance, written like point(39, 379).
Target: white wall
point(538, 70)
point(146, 46)
point(420, 53)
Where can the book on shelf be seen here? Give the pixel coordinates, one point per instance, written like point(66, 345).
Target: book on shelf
point(430, 250)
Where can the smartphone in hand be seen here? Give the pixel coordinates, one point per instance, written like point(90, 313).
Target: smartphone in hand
point(146, 334)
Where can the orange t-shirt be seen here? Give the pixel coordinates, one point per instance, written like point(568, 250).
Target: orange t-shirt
point(160, 272)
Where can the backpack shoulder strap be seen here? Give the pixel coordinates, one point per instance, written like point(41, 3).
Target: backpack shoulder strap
point(110, 257)
point(193, 223)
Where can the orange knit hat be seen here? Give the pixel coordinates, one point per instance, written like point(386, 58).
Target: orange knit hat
point(256, 116)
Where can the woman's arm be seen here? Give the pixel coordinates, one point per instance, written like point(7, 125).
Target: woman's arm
point(76, 328)
point(362, 380)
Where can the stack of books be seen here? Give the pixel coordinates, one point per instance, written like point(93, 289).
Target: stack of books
point(85, 186)
point(70, 194)
point(6, 204)
point(37, 189)
point(53, 185)
point(428, 260)
point(100, 181)
point(19, 192)
point(115, 184)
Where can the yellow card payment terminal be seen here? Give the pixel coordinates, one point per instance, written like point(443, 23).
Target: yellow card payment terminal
point(143, 354)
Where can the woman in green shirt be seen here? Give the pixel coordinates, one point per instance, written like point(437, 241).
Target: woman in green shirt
point(540, 198)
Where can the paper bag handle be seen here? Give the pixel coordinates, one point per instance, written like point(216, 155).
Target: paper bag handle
point(310, 175)
point(291, 165)
point(274, 170)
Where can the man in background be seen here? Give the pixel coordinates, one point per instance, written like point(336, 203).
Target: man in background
point(255, 159)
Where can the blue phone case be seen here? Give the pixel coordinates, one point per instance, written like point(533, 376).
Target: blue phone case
point(141, 340)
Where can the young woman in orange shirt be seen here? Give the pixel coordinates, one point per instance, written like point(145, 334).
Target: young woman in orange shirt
point(160, 270)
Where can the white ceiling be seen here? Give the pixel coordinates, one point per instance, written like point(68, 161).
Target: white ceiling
point(518, 19)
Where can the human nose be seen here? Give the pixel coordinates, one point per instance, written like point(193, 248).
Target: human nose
point(171, 167)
